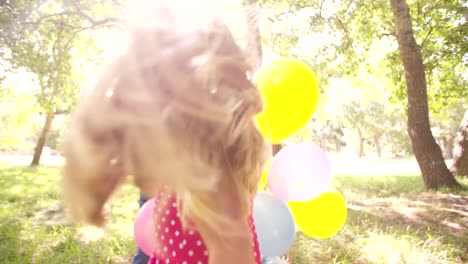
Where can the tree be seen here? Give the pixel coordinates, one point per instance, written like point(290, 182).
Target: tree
point(440, 38)
point(327, 134)
point(17, 111)
point(377, 125)
point(397, 139)
point(354, 114)
point(445, 124)
point(362, 112)
point(428, 154)
point(460, 159)
point(46, 37)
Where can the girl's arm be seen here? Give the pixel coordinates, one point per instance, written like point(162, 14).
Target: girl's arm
point(226, 247)
point(232, 249)
point(229, 248)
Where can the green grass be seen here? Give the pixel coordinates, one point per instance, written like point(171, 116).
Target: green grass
point(391, 219)
point(33, 228)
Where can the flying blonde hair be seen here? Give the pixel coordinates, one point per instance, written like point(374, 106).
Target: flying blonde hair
point(175, 110)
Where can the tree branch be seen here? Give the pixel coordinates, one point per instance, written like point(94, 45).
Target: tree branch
point(60, 112)
point(426, 38)
point(105, 22)
point(390, 34)
point(289, 11)
point(45, 17)
point(96, 23)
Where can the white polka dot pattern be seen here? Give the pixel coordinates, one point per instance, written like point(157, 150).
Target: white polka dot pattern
point(183, 246)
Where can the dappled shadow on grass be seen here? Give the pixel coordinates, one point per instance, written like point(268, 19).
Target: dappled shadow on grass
point(426, 238)
point(403, 199)
point(372, 237)
point(10, 231)
point(19, 182)
point(36, 240)
point(392, 219)
point(70, 248)
point(47, 238)
point(339, 249)
point(34, 229)
point(26, 190)
point(446, 213)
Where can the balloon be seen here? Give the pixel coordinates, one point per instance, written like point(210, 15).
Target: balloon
point(263, 178)
point(299, 172)
point(145, 234)
point(290, 91)
point(274, 224)
point(321, 217)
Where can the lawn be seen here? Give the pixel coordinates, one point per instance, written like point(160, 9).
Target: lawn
point(33, 228)
point(391, 219)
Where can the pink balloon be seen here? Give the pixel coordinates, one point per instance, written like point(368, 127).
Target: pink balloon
point(299, 172)
point(144, 231)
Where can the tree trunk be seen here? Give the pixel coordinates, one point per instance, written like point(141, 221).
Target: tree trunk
point(460, 158)
point(42, 139)
point(323, 140)
point(361, 144)
point(378, 148)
point(428, 154)
point(448, 147)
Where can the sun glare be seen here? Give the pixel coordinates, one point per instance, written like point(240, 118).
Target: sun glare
point(142, 13)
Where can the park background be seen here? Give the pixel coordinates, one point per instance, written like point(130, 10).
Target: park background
point(52, 51)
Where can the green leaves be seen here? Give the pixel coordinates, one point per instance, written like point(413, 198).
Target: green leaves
point(18, 107)
point(46, 37)
point(355, 40)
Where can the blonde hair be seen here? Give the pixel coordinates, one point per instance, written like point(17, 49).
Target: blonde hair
point(176, 110)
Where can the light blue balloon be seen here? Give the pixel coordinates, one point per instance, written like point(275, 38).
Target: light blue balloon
point(274, 223)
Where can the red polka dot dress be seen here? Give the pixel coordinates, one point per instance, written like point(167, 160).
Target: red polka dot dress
point(179, 246)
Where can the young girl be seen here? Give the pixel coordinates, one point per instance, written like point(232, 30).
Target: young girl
point(176, 112)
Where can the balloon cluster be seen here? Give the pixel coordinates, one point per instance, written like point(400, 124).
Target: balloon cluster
point(295, 184)
point(297, 180)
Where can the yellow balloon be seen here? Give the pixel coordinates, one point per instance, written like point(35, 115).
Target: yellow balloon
point(263, 178)
point(290, 92)
point(321, 217)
